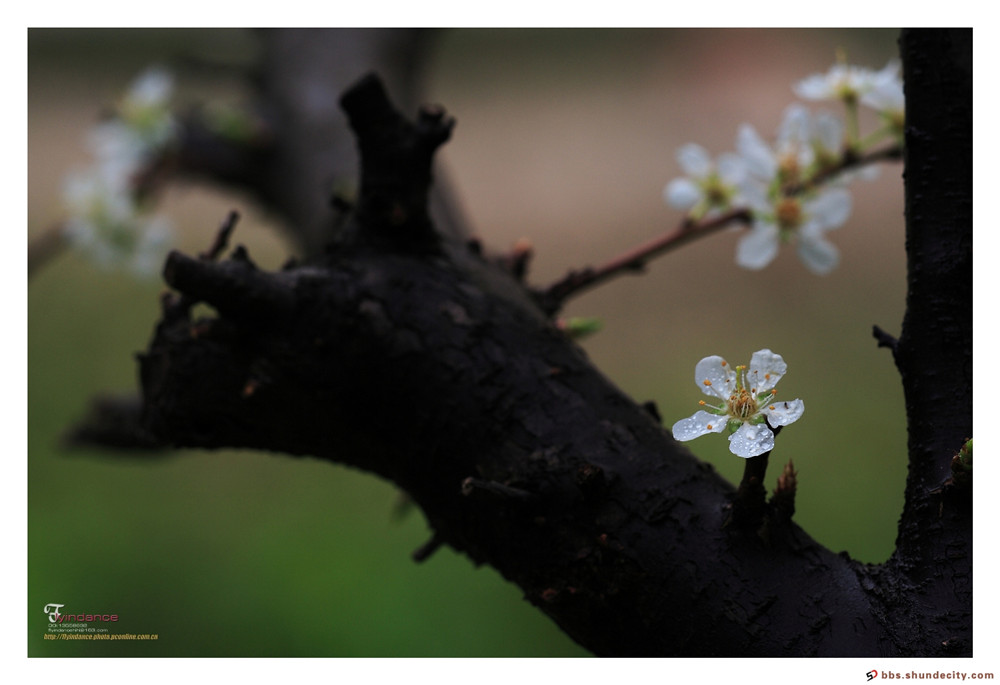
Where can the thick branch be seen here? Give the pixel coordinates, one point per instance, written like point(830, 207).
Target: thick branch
point(934, 352)
point(933, 586)
point(439, 371)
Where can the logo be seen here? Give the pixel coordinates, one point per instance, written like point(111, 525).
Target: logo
point(55, 616)
point(53, 611)
point(872, 674)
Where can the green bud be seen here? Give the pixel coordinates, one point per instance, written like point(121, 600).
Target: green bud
point(961, 464)
point(578, 327)
point(230, 122)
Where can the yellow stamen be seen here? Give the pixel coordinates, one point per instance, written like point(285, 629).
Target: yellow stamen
point(788, 213)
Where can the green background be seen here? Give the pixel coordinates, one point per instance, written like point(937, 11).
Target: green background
point(564, 137)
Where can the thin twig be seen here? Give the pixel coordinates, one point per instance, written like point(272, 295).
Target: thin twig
point(884, 339)
point(849, 161)
point(426, 550)
point(221, 237)
point(576, 281)
point(553, 297)
point(179, 306)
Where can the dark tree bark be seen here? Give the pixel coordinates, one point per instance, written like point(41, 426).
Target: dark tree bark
point(928, 580)
point(305, 159)
point(404, 351)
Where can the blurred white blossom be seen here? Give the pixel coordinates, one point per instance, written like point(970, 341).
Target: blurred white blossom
point(145, 109)
point(105, 224)
point(708, 186)
point(793, 219)
point(794, 187)
point(104, 219)
point(805, 145)
point(791, 156)
point(886, 97)
point(843, 82)
point(827, 136)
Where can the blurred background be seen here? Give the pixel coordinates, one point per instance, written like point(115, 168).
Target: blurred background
point(564, 137)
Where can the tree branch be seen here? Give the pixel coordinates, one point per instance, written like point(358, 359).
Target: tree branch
point(551, 299)
point(930, 581)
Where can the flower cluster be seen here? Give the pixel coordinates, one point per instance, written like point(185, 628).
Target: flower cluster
point(748, 409)
point(106, 219)
point(794, 187)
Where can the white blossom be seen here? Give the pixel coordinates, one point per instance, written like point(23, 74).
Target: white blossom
point(794, 219)
point(748, 410)
point(790, 157)
point(886, 97)
point(145, 109)
point(805, 145)
point(708, 185)
point(142, 128)
point(104, 223)
point(104, 220)
point(842, 82)
point(827, 137)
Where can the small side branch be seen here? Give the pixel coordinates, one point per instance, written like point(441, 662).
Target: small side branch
point(783, 499)
point(849, 162)
point(884, 339)
point(396, 166)
point(221, 237)
point(235, 287)
point(427, 550)
point(176, 307)
point(552, 298)
point(113, 422)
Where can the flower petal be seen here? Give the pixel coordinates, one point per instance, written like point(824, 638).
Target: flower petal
point(783, 413)
point(828, 130)
point(816, 86)
point(751, 440)
point(715, 377)
point(152, 88)
point(682, 193)
point(759, 157)
point(831, 208)
point(759, 247)
point(886, 96)
point(702, 423)
point(694, 160)
point(794, 127)
point(766, 369)
point(732, 168)
point(754, 193)
point(818, 254)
